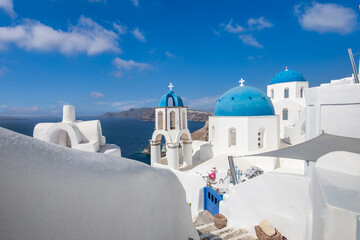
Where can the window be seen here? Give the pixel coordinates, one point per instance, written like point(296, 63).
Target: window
point(232, 137)
point(285, 114)
point(172, 120)
point(160, 120)
point(272, 93)
point(302, 92)
point(260, 138)
point(286, 93)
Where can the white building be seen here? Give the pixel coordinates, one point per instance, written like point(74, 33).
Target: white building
point(328, 109)
point(82, 135)
point(244, 122)
point(171, 123)
point(287, 91)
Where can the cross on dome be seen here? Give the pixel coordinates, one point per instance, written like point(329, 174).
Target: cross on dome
point(241, 82)
point(286, 69)
point(171, 86)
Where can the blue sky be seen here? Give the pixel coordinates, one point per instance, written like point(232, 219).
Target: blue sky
point(116, 54)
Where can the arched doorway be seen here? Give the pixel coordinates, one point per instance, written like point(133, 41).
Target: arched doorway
point(285, 114)
point(60, 137)
point(232, 137)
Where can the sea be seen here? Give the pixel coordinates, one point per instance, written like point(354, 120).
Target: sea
point(131, 135)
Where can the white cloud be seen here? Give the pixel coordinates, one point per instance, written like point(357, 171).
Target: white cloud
point(204, 103)
point(234, 29)
point(3, 106)
point(254, 57)
point(259, 23)
point(8, 7)
point(97, 95)
point(170, 55)
point(120, 28)
point(328, 17)
point(135, 2)
point(125, 105)
point(216, 32)
point(248, 39)
point(122, 64)
point(138, 35)
point(22, 110)
point(62, 103)
point(86, 36)
point(103, 103)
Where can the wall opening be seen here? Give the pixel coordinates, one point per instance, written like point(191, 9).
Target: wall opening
point(162, 147)
point(232, 137)
point(172, 120)
point(286, 93)
point(301, 92)
point(285, 114)
point(260, 138)
point(60, 137)
point(303, 129)
point(183, 120)
point(272, 93)
point(213, 134)
point(160, 120)
point(170, 102)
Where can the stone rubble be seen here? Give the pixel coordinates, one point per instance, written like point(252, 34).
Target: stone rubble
point(204, 224)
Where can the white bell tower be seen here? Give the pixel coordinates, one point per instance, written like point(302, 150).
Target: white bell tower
point(171, 122)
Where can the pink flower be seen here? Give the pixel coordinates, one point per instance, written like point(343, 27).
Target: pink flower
point(212, 176)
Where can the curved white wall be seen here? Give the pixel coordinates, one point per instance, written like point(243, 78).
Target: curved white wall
point(51, 192)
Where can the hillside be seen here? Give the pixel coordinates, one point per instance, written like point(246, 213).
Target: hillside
point(148, 114)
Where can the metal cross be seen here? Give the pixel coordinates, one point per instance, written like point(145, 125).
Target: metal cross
point(241, 82)
point(171, 86)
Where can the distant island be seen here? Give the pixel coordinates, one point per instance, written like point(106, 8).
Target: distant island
point(148, 114)
point(11, 118)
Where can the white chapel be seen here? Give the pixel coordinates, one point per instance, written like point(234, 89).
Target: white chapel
point(171, 123)
point(244, 122)
point(287, 91)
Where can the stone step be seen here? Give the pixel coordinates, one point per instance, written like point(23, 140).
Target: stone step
point(208, 229)
point(223, 231)
point(233, 234)
point(245, 236)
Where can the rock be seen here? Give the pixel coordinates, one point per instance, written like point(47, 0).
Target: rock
point(220, 221)
point(267, 228)
point(262, 236)
point(202, 134)
point(203, 218)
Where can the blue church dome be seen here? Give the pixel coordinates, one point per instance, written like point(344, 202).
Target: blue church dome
point(176, 100)
point(287, 76)
point(244, 101)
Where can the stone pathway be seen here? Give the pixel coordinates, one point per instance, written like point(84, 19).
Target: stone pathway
point(204, 224)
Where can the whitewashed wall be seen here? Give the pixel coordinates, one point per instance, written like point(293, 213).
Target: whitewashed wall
point(335, 109)
point(52, 192)
point(246, 133)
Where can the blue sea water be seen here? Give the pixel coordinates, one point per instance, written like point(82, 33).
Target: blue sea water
point(131, 135)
